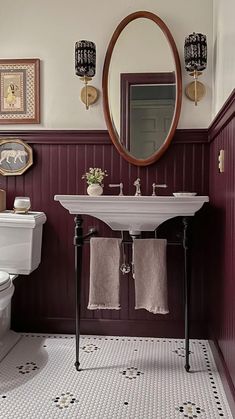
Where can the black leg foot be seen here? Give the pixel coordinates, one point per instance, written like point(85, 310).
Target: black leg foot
point(77, 364)
point(187, 368)
point(187, 280)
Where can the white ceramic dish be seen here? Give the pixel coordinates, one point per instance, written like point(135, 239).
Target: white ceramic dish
point(179, 194)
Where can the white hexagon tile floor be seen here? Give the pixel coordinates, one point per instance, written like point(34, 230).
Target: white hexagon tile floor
point(121, 378)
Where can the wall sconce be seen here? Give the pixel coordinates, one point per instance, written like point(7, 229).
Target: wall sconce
point(195, 56)
point(85, 60)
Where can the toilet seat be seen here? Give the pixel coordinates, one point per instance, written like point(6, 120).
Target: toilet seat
point(5, 280)
point(6, 289)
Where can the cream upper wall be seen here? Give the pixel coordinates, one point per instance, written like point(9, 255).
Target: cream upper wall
point(48, 29)
point(224, 52)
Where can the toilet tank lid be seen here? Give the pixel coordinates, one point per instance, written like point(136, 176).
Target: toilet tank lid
point(29, 220)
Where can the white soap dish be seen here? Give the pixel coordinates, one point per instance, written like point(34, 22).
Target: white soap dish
point(182, 194)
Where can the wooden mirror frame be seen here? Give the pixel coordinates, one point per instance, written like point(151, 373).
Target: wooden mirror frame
point(112, 132)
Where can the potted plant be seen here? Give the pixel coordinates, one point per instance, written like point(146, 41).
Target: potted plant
point(94, 179)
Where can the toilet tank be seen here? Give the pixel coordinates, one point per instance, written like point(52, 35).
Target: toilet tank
point(20, 241)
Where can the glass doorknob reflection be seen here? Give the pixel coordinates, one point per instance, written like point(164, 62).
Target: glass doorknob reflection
point(125, 268)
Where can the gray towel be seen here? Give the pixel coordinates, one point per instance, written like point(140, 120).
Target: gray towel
point(150, 275)
point(104, 273)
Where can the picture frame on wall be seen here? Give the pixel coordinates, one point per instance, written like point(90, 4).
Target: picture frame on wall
point(20, 91)
point(16, 156)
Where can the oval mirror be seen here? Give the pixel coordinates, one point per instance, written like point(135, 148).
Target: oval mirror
point(142, 88)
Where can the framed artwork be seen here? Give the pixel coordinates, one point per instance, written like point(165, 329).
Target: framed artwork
point(15, 156)
point(19, 91)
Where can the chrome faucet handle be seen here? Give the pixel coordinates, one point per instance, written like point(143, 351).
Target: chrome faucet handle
point(137, 185)
point(155, 185)
point(117, 185)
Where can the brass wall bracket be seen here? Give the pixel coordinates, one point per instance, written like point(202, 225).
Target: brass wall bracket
point(89, 95)
point(195, 90)
point(191, 93)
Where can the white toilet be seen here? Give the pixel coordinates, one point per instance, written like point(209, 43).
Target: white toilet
point(20, 253)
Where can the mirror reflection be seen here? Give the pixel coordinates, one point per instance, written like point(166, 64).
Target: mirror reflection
point(142, 88)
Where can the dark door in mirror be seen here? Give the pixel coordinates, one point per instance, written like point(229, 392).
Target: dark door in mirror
point(147, 110)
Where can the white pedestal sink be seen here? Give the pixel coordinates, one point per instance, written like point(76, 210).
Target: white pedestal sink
point(132, 213)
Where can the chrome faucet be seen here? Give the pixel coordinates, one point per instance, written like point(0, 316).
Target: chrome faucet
point(154, 185)
point(117, 185)
point(137, 185)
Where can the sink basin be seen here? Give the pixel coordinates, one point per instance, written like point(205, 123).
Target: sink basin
point(132, 213)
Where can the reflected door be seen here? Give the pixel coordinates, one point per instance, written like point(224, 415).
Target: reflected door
point(150, 123)
point(147, 111)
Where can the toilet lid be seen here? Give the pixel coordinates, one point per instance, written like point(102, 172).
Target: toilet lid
point(5, 280)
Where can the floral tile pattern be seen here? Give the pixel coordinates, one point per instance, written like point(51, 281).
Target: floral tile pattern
point(128, 378)
point(131, 373)
point(190, 410)
point(181, 352)
point(64, 400)
point(27, 368)
point(89, 348)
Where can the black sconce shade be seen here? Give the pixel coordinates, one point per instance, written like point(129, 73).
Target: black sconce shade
point(85, 58)
point(195, 52)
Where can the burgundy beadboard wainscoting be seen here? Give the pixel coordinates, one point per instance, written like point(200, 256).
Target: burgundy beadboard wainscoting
point(221, 272)
point(45, 300)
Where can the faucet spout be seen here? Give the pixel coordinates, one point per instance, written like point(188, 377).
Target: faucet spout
point(137, 185)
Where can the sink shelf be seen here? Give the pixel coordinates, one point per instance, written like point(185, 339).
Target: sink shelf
point(132, 213)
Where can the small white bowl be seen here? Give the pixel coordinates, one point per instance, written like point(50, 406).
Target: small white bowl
point(182, 194)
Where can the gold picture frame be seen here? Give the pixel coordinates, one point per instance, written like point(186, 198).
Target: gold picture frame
point(19, 91)
point(15, 156)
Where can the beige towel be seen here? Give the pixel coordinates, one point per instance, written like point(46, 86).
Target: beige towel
point(104, 273)
point(150, 275)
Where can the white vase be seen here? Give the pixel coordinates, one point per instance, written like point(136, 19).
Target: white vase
point(95, 189)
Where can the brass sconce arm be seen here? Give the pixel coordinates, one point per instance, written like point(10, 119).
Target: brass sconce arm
point(195, 90)
point(89, 94)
